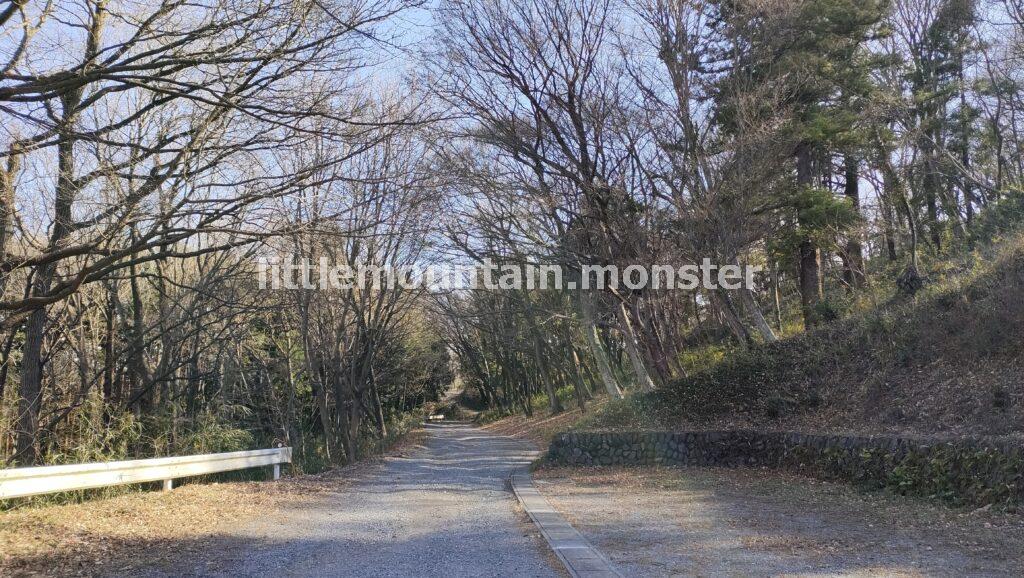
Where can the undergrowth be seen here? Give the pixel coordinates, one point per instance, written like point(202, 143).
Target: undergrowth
point(969, 318)
point(210, 436)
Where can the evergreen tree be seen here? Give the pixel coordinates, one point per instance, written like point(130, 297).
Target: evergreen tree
point(810, 57)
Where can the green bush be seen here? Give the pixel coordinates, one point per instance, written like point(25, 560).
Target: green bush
point(1004, 217)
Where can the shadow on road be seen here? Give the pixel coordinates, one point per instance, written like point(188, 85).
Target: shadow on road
point(442, 510)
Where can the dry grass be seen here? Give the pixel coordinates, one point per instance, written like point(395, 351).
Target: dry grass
point(542, 426)
point(109, 535)
point(947, 363)
point(120, 534)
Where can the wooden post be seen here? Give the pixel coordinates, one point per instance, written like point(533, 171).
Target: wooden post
point(277, 471)
point(168, 485)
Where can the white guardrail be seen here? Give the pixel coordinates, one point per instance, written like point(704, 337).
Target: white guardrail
point(23, 482)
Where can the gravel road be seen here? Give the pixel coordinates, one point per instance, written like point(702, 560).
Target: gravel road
point(752, 522)
point(442, 510)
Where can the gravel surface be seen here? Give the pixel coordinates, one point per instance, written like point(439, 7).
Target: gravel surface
point(746, 522)
point(442, 510)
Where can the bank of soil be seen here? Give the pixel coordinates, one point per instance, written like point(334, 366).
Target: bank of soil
point(538, 429)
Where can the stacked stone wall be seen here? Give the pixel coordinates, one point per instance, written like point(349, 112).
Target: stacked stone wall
point(964, 471)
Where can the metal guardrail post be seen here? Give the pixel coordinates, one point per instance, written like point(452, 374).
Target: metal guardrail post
point(34, 481)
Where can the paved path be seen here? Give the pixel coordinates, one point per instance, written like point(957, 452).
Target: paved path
point(443, 511)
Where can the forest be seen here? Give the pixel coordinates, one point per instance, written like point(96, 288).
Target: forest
point(152, 152)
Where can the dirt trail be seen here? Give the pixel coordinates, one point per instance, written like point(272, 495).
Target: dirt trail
point(443, 510)
point(745, 522)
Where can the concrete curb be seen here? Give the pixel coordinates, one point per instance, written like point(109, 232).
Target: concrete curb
point(580, 558)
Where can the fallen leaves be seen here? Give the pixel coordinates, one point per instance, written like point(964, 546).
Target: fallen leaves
point(124, 531)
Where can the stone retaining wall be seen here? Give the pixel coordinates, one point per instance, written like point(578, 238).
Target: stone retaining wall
point(960, 471)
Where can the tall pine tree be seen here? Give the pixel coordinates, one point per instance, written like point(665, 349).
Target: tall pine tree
point(810, 56)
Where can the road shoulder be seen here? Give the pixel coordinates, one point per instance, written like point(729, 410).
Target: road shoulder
point(580, 558)
point(711, 521)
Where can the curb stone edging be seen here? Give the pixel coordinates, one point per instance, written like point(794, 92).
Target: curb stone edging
point(578, 556)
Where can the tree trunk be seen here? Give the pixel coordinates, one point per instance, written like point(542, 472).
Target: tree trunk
point(596, 349)
point(140, 391)
point(7, 209)
point(5, 361)
point(643, 378)
point(727, 310)
point(110, 313)
point(853, 273)
point(294, 431)
point(765, 330)
point(776, 298)
point(378, 408)
point(554, 404)
point(579, 386)
point(653, 347)
point(810, 259)
point(890, 230)
point(31, 390)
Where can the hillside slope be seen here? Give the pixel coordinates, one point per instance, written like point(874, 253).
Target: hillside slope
point(950, 361)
